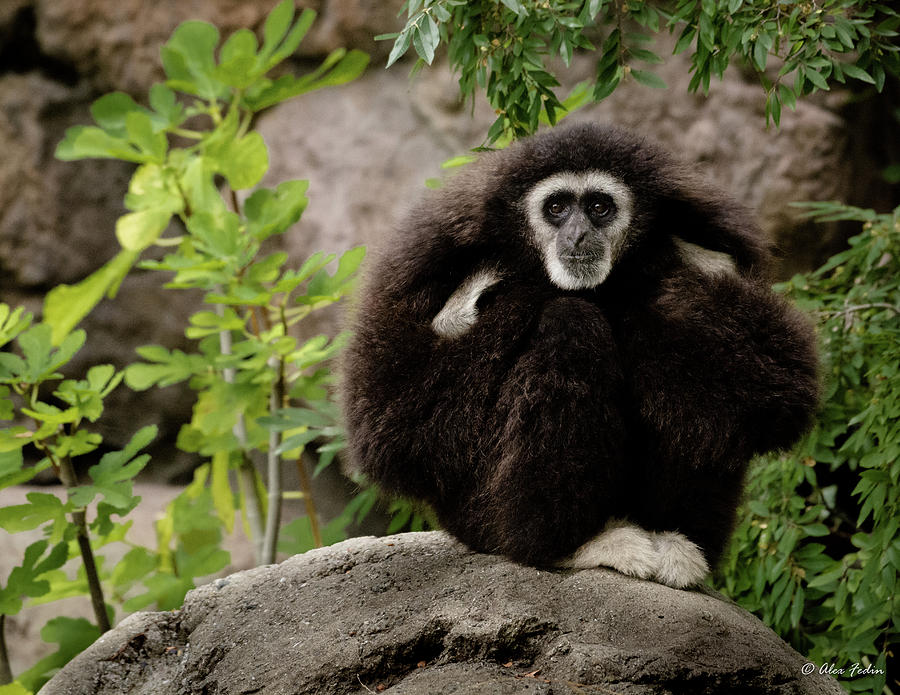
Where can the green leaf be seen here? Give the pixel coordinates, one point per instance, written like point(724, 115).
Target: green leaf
point(243, 162)
point(111, 110)
point(204, 323)
point(816, 78)
point(169, 113)
point(168, 368)
point(41, 508)
point(276, 27)
point(41, 360)
point(287, 47)
point(323, 285)
point(220, 237)
point(644, 55)
point(12, 323)
point(188, 58)
point(153, 187)
point(89, 142)
point(136, 564)
point(199, 188)
point(351, 65)
point(138, 230)
point(66, 305)
point(28, 578)
point(816, 530)
point(648, 79)
point(239, 65)
point(141, 133)
point(220, 487)
point(113, 476)
point(338, 68)
point(857, 73)
point(296, 536)
point(401, 46)
point(271, 212)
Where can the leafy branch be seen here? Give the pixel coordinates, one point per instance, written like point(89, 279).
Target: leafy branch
point(506, 47)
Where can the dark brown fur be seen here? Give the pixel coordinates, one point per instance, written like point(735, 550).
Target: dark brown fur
point(643, 398)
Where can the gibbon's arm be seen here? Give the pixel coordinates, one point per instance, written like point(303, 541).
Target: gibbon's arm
point(421, 374)
point(722, 368)
point(560, 450)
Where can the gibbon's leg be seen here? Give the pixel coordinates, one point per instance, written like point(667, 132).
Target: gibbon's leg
point(560, 471)
point(722, 370)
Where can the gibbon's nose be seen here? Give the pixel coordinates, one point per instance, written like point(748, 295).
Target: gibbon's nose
point(574, 232)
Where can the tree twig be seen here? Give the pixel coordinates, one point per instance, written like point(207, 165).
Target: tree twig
point(5, 670)
point(273, 511)
point(246, 471)
point(306, 487)
point(79, 519)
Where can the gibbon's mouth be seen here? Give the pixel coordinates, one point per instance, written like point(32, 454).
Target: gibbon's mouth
point(580, 256)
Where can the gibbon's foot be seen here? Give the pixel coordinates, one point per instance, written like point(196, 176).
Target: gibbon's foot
point(620, 545)
point(666, 557)
point(680, 562)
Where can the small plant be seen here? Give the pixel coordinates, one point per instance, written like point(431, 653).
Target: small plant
point(817, 553)
point(249, 372)
point(505, 47)
point(56, 432)
point(260, 391)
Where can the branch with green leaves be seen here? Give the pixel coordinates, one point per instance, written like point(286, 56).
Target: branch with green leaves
point(260, 389)
point(248, 363)
point(817, 552)
point(508, 47)
point(54, 434)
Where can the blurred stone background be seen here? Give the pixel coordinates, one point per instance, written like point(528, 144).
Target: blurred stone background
point(367, 148)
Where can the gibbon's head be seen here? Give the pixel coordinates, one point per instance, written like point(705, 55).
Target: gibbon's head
point(579, 220)
point(585, 197)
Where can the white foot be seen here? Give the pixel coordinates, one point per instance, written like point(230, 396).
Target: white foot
point(667, 557)
point(680, 562)
point(620, 545)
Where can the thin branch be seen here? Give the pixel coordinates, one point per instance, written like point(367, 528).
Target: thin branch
point(79, 519)
point(306, 487)
point(5, 671)
point(246, 471)
point(848, 311)
point(273, 511)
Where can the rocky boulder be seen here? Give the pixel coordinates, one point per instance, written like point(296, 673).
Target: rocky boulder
point(418, 613)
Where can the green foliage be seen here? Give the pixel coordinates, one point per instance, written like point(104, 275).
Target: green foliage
point(817, 553)
point(180, 181)
point(29, 375)
point(505, 47)
point(248, 366)
point(259, 388)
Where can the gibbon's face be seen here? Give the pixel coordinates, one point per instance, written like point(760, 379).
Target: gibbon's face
point(579, 221)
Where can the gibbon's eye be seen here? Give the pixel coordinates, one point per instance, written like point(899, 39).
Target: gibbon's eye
point(557, 206)
point(599, 207)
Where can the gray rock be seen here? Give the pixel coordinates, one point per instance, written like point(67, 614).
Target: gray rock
point(418, 613)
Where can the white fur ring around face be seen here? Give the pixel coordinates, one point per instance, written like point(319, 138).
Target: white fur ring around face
point(667, 557)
